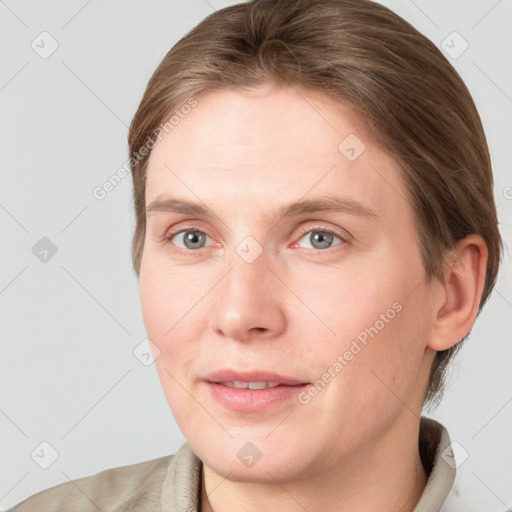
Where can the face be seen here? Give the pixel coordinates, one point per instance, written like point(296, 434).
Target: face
point(326, 299)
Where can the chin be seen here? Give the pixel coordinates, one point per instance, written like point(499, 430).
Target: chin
point(251, 461)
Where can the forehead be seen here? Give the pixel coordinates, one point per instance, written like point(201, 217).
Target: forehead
point(269, 147)
point(286, 119)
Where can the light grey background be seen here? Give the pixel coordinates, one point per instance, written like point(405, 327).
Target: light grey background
point(69, 326)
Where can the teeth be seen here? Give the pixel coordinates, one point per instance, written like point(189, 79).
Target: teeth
point(240, 384)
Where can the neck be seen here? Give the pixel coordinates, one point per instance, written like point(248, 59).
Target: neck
point(386, 475)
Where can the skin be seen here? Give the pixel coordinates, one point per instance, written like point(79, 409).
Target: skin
point(296, 307)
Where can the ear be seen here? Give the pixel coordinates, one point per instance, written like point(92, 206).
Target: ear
point(456, 301)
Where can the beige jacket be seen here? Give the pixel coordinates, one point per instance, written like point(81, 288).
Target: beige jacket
point(173, 483)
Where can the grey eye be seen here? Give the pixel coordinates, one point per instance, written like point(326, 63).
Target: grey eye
point(191, 239)
point(319, 239)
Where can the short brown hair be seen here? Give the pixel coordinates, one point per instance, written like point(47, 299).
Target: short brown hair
point(415, 105)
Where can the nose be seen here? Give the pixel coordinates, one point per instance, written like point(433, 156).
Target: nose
point(249, 304)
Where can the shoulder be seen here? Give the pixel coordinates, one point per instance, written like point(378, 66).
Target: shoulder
point(123, 488)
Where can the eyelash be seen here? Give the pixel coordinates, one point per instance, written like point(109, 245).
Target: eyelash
point(171, 234)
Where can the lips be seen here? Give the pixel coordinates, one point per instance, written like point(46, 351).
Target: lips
point(254, 391)
point(227, 377)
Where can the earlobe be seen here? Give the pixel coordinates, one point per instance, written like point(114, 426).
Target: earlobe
point(457, 309)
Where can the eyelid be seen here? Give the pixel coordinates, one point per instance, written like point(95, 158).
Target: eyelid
point(341, 234)
point(171, 233)
point(344, 239)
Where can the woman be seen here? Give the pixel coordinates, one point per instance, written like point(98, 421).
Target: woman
point(316, 235)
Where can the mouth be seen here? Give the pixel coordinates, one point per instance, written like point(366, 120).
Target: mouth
point(240, 384)
point(253, 391)
point(258, 378)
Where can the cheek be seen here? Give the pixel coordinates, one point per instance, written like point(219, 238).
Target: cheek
point(171, 323)
point(341, 301)
point(373, 332)
point(385, 371)
point(170, 318)
point(168, 295)
point(154, 302)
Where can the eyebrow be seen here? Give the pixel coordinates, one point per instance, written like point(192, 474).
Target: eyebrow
point(328, 203)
